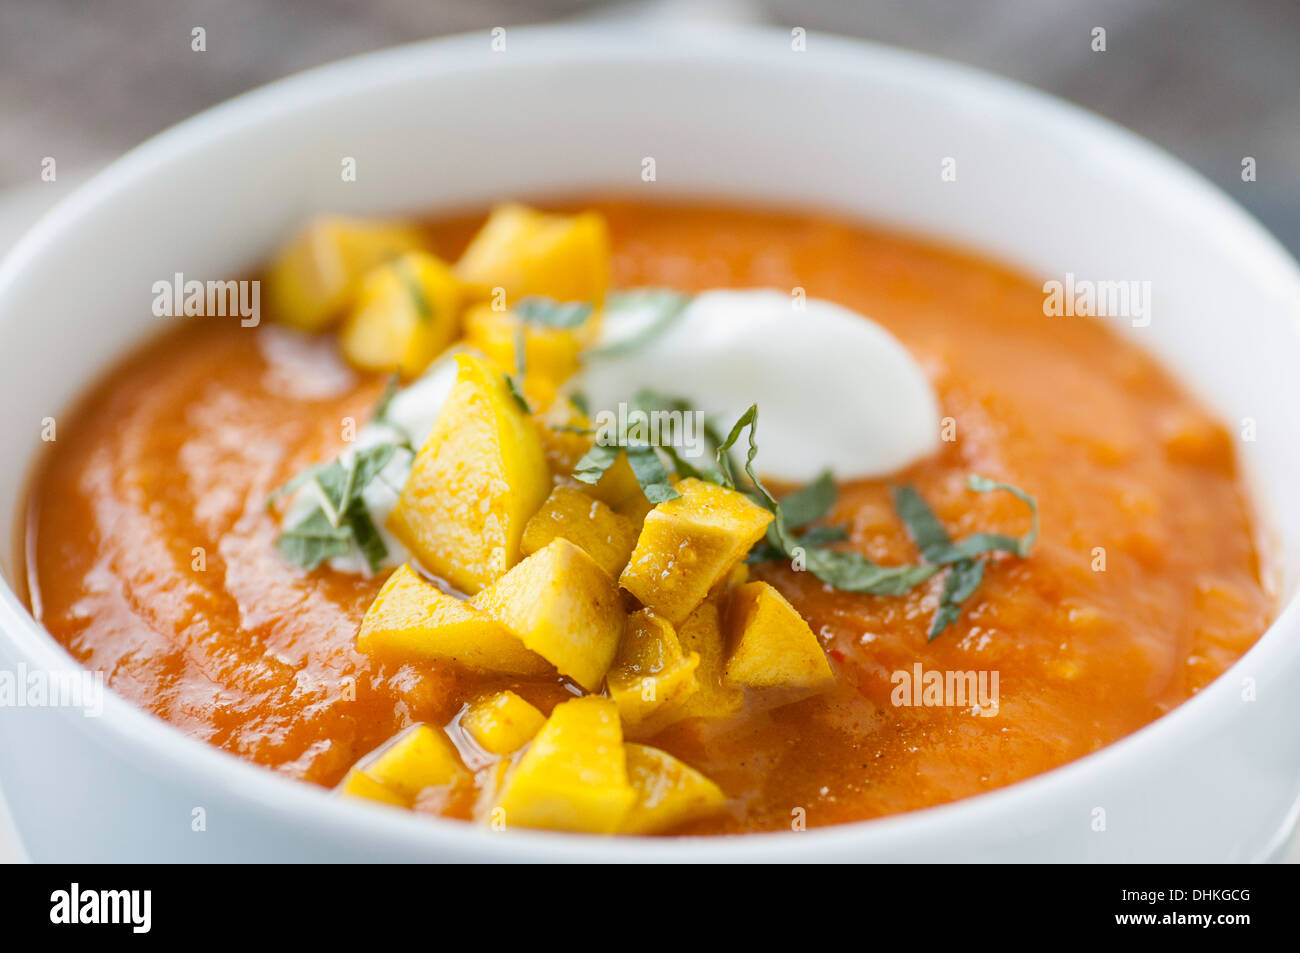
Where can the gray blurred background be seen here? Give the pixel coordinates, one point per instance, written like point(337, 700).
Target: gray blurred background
point(1210, 80)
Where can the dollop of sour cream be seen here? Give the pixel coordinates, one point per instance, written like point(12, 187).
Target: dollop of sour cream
point(835, 391)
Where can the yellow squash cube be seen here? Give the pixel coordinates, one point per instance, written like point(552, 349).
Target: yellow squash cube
point(550, 353)
point(420, 757)
point(560, 427)
point(689, 544)
point(526, 252)
point(357, 784)
point(413, 618)
point(573, 777)
point(669, 792)
point(315, 275)
point(405, 315)
point(651, 676)
point(564, 445)
point(564, 607)
point(619, 488)
point(502, 723)
point(474, 483)
point(589, 524)
point(701, 634)
point(771, 644)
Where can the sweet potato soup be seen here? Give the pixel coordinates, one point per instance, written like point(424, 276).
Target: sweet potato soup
point(547, 629)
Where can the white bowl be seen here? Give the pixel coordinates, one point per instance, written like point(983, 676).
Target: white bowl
point(725, 114)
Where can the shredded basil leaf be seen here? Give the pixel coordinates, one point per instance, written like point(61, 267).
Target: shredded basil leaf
point(423, 308)
point(516, 391)
point(650, 473)
point(852, 572)
point(380, 415)
point(668, 305)
point(313, 540)
point(1024, 543)
point(595, 462)
point(340, 519)
point(938, 549)
point(809, 503)
point(385, 402)
point(553, 314)
point(844, 570)
point(515, 381)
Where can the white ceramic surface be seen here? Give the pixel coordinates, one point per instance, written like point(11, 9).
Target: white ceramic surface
point(725, 113)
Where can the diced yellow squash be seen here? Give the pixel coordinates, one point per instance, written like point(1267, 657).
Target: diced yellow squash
point(551, 353)
point(404, 316)
point(573, 777)
point(568, 513)
point(771, 644)
point(561, 428)
point(651, 676)
point(564, 607)
point(317, 272)
point(413, 618)
point(502, 723)
point(619, 487)
point(738, 576)
point(701, 634)
point(474, 483)
point(689, 544)
point(526, 252)
point(669, 792)
point(564, 445)
point(419, 757)
point(357, 784)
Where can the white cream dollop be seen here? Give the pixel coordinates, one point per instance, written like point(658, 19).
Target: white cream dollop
point(834, 389)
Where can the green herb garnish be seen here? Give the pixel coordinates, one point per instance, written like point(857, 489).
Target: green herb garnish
point(852, 572)
point(515, 381)
point(423, 307)
point(967, 571)
point(380, 415)
point(840, 569)
point(667, 304)
point(340, 519)
point(553, 314)
point(595, 462)
point(650, 473)
point(646, 460)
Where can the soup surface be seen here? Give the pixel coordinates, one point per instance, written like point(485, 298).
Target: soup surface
point(151, 551)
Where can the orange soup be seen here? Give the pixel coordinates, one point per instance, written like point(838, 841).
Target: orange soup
point(152, 556)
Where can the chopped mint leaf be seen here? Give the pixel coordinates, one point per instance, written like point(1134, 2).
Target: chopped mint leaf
point(667, 305)
point(553, 314)
point(595, 462)
point(340, 519)
point(423, 307)
point(650, 473)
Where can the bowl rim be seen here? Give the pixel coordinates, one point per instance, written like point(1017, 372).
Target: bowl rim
point(152, 743)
